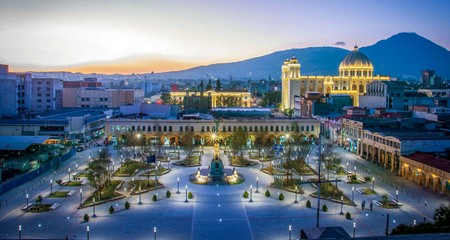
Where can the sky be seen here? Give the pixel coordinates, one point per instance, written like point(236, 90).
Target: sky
point(141, 36)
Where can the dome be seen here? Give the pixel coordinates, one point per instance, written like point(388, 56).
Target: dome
point(356, 64)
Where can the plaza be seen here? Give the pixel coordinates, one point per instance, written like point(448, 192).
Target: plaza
point(216, 211)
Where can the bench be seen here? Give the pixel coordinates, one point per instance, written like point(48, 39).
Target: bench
point(397, 203)
point(54, 206)
point(71, 193)
point(378, 203)
point(84, 182)
point(360, 190)
point(63, 182)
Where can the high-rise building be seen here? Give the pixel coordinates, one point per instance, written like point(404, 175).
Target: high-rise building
point(430, 80)
point(15, 89)
point(355, 72)
point(46, 94)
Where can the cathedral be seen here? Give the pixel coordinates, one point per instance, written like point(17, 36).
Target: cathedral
point(355, 72)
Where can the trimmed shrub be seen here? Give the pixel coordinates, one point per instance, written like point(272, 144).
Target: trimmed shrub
point(348, 216)
point(111, 209)
point(190, 195)
point(86, 217)
point(267, 193)
point(38, 199)
point(308, 204)
point(155, 198)
point(168, 194)
point(127, 205)
point(281, 197)
point(245, 195)
point(368, 179)
point(324, 208)
point(59, 181)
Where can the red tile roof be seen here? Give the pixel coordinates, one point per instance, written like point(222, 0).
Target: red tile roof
point(431, 160)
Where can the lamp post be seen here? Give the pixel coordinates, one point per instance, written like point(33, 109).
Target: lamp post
point(154, 233)
point(89, 158)
point(76, 167)
point(140, 202)
point(20, 231)
point(185, 188)
point(290, 232)
point(113, 166)
point(342, 205)
point(178, 185)
point(81, 197)
point(51, 186)
point(353, 194)
point(27, 201)
point(257, 188)
point(373, 184)
point(396, 195)
point(347, 165)
point(354, 169)
point(296, 201)
point(251, 191)
point(156, 176)
point(69, 174)
point(87, 232)
point(93, 209)
point(354, 229)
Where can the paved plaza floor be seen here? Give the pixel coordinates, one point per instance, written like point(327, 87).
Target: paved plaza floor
point(216, 211)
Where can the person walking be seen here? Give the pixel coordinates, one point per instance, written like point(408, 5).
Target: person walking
point(363, 204)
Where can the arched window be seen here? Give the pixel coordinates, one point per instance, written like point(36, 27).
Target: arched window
point(138, 128)
point(245, 128)
point(159, 128)
point(165, 129)
point(282, 128)
point(234, 128)
point(250, 129)
point(312, 128)
point(267, 128)
point(207, 128)
point(256, 128)
point(192, 129)
point(229, 128)
point(149, 129)
point(203, 129)
point(186, 128)
point(132, 128)
point(276, 128)
point(224, 129)
point(154, 128)
point(307, 128)
point(143, 128)
point(181, 128)
point(170, 128)
point(271, 128)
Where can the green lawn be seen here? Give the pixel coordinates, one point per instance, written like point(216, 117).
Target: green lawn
point(37, 208)
point(145, 184)
point(161, 170)
point(290, 184)
point(61, 194)
point(73, 183)
point(368, 191)
point(192, 161)
point(129, 167)
point(329, 191)
point(107, 193)
point(83, 174)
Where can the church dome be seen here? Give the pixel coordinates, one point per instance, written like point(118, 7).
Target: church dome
point(356, 64)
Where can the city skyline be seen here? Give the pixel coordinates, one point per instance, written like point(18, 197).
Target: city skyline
point(141, 37)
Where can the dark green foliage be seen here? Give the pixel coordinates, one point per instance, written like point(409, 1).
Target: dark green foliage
point(267, 193)
point(281, 197)
point(348, 216)
point(324, 208)
point(111, 209)
point(38, 199)
point(245, 195)
point(308, 204)
point(441, 224)
point(127, 205)
point(59, 181)
point(86, 217)
point(190, 195)
point(168, 194)
point(155, 198)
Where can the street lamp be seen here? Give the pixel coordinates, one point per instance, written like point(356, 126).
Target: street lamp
point(185, 188)
point(27, 201)
point(178, 185)
point(113, 166)
point(342, 205)
point(87, 232)
point(69, 174)
point(251, 191)
point(51, 186)
point(154, 233)
point(20, 231)
point(76, 167)
point(396, 195)
point(296, 194)
point(353, 194)
point(290, 232)
point(257, 188)
point(355, 170)
point(373, 184)
point(81, 197)
point(354, 229)
point(93, 209)
point(347, 165)
point(140, 202)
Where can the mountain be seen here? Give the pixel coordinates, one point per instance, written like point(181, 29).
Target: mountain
point(404, 54)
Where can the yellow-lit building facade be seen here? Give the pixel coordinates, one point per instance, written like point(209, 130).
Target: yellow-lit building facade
point(355, 72)
point(218, 99)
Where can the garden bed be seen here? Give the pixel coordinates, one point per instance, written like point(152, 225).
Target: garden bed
point(59, 194)
point(107, 194)
point(129, 168)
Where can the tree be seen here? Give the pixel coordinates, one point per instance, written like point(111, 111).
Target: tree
point(442, 216)
point(86, 217)
point(155, 198)
point(98, 175)
point(38, 199)
point(190, 195)
point(324, 208)
point(271, 98)
point(308, 204)
point(111, 209)
point(281, 197)
point(329, 159)
point(238, 141)
point(168, 194)
point(245, 195)
point(165, 97)
point(267, 193)
point(188, 145)
point(127, 205)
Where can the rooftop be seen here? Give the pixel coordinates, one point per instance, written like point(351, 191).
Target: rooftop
point(20, 142)
point(431, 160)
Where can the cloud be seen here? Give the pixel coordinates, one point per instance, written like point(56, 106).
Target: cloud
point(339, 44)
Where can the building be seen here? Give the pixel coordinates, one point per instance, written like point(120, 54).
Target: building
point(46, 94)
point(100, 97)
point(147, 111)
point(384, 94)
point(218, 99)
point(430, 80)
point(82, 125)
point(171, 131)
point(15, 89)
point(355, 72)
